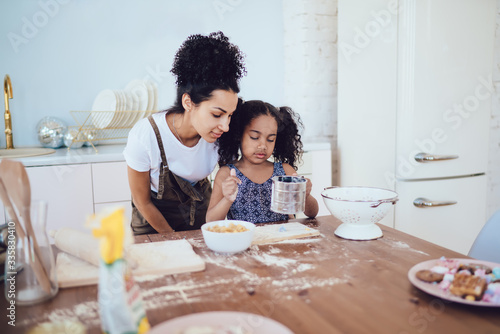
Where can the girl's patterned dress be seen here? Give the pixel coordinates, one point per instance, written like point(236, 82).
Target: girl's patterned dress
point(253, 202)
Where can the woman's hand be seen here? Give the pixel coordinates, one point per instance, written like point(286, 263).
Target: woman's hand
point(230, 186)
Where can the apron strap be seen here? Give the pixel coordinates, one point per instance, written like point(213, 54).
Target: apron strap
point(186, 187)
point(164, 164)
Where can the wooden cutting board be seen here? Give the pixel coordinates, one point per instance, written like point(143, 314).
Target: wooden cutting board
point(155, 258)
point(267, 234)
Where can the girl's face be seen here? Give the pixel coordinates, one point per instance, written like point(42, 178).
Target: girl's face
point(259, 138)
point(211, 117)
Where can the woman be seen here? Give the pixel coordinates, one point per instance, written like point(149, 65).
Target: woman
point(171, 153)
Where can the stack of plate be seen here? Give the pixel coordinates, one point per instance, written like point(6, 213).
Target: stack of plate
point(123, 108)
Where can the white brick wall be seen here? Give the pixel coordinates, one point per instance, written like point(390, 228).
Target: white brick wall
point(310, 30)
point(493, 171)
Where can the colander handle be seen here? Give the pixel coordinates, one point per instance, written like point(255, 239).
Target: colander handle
point(392, 201)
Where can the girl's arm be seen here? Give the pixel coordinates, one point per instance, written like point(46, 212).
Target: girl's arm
point(139, 183)
point(311, 207)
point(223, 194)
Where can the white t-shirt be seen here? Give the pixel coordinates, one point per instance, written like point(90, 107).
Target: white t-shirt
point(143, 154)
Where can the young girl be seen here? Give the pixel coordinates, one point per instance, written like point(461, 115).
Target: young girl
point(242, 188)
point(171, 153)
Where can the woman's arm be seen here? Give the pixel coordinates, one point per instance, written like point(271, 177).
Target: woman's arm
point(223, 194)
point(311, 207)
point(140, 188)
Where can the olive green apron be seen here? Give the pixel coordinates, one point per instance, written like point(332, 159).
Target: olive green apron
point(183, 205)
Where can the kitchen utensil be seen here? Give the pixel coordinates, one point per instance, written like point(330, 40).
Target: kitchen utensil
point(270, 233)
point(152, 258)
point(359, 208)
point(16, 185)
point(228, 243)
point(37, 280)
point(288, 194)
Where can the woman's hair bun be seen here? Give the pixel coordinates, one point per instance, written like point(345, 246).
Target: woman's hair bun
point(208, 60)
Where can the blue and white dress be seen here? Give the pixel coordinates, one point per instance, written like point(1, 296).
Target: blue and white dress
point(253, 202)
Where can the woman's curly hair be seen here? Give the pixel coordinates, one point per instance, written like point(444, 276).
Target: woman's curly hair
point(206, 63)
point(288, 146)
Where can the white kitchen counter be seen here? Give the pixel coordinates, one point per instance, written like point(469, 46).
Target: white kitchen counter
point(106, 153)
point(84, 155)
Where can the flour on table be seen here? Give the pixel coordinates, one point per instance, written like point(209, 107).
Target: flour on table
point(241, 279)
point(401, 245)
point(86, 313)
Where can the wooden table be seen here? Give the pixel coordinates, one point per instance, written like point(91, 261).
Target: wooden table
point(318, 285)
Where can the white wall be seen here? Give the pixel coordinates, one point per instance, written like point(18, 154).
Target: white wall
point(493, 172)
point(61, 53)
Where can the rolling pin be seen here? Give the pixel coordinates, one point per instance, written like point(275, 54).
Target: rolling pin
point(77, 243)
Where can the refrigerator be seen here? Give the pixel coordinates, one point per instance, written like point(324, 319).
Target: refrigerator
point(414, 106)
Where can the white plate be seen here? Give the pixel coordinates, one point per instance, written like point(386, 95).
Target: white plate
point(105, 101)
point(138, 87)
point(149, 86)
point(253, 323)
point(155, 97)
point(129, 105)
point(433, 288)
point(136, 115)
point(117, 119)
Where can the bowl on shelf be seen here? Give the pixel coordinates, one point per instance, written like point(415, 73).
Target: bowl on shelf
point(359, 209)
point(228, 242)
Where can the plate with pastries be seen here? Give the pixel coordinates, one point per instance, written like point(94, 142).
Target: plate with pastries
point(466, 281)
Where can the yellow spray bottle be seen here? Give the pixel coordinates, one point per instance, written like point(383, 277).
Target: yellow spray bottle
point(120, 303)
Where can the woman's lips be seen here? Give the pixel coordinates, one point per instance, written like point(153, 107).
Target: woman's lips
point(216, 135)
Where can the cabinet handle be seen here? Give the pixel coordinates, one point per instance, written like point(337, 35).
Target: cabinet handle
point(426, 203)
point(425, 157)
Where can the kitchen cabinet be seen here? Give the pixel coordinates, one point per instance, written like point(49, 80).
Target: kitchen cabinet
point(454, 226)
point(73, 192)
point(68, 192)
point(414, 105)
point(317, 166)
point(110, 186)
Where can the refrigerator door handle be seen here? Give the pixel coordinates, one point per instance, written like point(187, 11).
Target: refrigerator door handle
point(426, 157)
point(426, 203)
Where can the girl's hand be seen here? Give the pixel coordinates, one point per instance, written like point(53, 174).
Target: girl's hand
point(308, 185)
point(230, 186)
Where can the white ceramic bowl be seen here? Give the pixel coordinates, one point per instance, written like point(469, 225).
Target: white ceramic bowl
point(229, 243)
point(359, 208)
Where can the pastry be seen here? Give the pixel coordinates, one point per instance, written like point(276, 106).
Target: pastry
point(468, 286)
point(473, 267)
point(429, 276)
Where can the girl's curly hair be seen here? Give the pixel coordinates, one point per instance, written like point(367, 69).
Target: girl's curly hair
point(288, 146)
point(206, 63)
